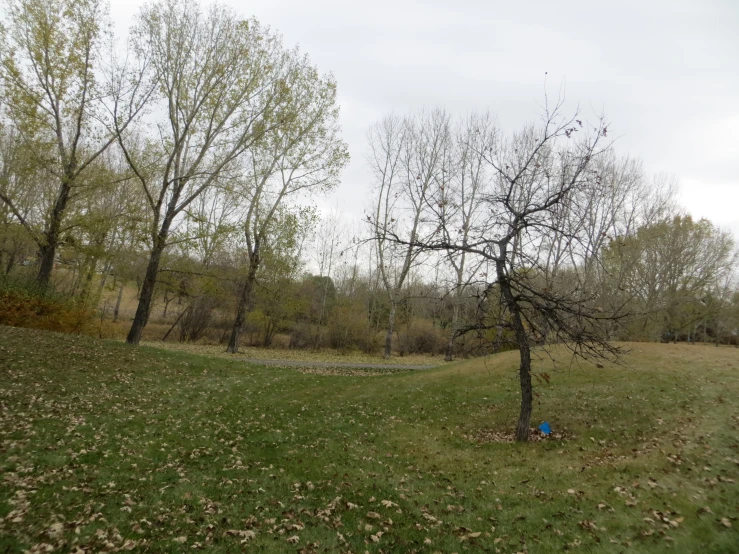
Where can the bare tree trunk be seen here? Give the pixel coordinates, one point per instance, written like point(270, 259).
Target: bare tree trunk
point(167, 300)
point(147, 289)
point(104, 277)
point(118, 303)
point(244, 304)
point(47, 250)
point(453, 335)
point(524, 349)
point(497, 345)
point(524, 374)
point(10, 263)
point(390, 328)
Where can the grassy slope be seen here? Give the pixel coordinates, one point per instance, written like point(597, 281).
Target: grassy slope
point(297, 355)
point(142, 449)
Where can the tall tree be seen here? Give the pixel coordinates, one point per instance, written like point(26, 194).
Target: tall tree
point(458, 197)
point(302, 156)
point(219, 88)
point(407, 157)
point(670, 268)
point(66, 115)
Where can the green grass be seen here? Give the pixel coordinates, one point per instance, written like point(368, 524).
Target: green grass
point(104, 447)
point(297, 355)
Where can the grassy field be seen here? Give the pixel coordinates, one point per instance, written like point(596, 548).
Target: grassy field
point(297, 355)
point(104, 447)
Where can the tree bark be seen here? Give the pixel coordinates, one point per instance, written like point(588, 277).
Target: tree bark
point(10, 263)
point(118, 303)
point(524, 374)
point(147, 289)
point(390, 328)
point(244, 304)
point(524, 349)
point(453, 335)
point(47, 250)
point(497, 345)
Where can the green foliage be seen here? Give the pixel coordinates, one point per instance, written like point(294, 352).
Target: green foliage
point(17, 248)
point(669, 271)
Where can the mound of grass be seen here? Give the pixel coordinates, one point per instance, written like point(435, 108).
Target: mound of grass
point(104, 447)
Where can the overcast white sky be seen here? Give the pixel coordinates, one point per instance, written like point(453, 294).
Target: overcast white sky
point(665, 72)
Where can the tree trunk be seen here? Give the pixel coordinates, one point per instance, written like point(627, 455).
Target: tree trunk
point(47, 250)
point(167, 300)
point(524, 374)
point(524, 349)
point(147, 290)
point(104, 276)
point(86, 277)
point(390, 327)
point(10, 263)
point(453, 335)
point(118, 303)
point(244, 304)
point(497, 345)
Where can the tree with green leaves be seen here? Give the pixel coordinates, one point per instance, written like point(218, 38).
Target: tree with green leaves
point(62, 99)
point(668, 269)
point(302, 156)
point(221, 86)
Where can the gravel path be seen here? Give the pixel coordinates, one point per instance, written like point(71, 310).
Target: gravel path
point(294, 363)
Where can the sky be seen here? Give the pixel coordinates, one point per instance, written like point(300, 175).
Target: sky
point(665, 73)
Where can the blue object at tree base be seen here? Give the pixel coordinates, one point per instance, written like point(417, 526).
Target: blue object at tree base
point(544, 428)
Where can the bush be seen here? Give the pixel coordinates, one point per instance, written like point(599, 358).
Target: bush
point(300, 335)
point(197, 318)
point(421, 338)
point(27, 305)
point(347, 330)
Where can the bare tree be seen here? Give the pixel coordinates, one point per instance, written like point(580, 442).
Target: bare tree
point(407, 157)
point(457, 199)
point(330, 237)
point(535, 172)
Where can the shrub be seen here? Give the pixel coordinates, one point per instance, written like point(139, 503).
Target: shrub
point(300, 335)
point(26, 305)
point(421, 338)
point(347, 330)
point(197, 318)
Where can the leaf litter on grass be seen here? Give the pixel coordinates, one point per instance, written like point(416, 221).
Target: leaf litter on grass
point(107, 448)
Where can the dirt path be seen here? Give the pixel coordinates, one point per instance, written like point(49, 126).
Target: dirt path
point(295, 363)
